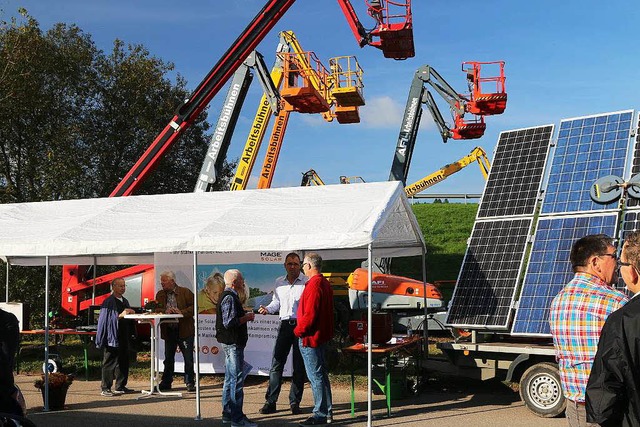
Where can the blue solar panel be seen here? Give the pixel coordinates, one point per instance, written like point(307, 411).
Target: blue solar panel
point(486, 286)
point(549, 268)
point(587, 149)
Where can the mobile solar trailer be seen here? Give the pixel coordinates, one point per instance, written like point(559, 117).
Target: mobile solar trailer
point(529, 363)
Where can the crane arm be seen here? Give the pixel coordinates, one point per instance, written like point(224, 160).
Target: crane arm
point(477, 155)
point(359, 32)
point(188, 112)
point(311, 177)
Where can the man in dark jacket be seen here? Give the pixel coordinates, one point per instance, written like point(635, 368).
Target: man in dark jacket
point(231, 332)
point(9, 337)
point(113, 336)
point(315, 329)
point(176, 299)
point(612, 397)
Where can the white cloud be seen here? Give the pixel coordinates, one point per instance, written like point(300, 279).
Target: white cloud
point(382, 112)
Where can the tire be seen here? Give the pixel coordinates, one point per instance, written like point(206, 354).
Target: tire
point(541, 390)
point(53, 365)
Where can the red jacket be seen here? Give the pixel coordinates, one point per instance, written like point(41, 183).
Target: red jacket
point(315, 312)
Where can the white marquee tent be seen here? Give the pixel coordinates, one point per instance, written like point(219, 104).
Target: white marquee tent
point(337, 221)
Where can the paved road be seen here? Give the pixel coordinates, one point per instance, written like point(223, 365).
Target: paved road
point(456, 403)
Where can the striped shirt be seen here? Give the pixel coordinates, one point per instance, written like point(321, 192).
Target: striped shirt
point(576, 318)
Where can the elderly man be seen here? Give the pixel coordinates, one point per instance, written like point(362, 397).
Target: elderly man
point(315, 329)
point(285, 299)
point(113, 336)
point(176, 299)
point(612, 390)
point(577, 314)
point(231, 332)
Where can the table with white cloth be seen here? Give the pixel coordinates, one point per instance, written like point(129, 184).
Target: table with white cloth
point(155, 320)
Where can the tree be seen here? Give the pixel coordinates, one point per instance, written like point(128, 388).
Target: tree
point(76, 119)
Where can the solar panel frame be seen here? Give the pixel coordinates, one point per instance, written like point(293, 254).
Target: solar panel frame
point(635, 164)
point(484, 297)
point(540, 285)
point(577, 163)
point(515, 177)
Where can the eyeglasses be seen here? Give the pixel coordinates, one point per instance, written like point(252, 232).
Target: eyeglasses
point(306, 263)
point(293, 264)
point(614, 256)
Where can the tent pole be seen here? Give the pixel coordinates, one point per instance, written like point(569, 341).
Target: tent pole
point(6, 288)
point(369, 335)
point(425, 324)
point(46, 334)
point(93, 291)
point(197, 334)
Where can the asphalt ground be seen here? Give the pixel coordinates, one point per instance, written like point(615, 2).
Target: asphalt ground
point(445, 402)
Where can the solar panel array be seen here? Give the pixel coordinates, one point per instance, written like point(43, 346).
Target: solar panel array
point(549, 268)
point(486, 287)
point(635, 164)
point(514, 182)
point(587, 149)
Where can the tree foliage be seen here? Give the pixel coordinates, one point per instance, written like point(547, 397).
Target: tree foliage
point(76, 119)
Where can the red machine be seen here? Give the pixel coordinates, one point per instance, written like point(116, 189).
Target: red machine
point(393, 33)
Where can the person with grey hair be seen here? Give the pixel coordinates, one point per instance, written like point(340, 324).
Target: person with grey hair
point(113, 337)
point(232, 334)
point(174, 299)
point(315, 329)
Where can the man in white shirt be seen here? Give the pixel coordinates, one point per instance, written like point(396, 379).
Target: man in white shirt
point(285, 300)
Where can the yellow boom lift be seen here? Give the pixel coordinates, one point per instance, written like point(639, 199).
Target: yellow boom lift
point(477, 155)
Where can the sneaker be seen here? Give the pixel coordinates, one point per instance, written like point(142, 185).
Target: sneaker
point(164, 387)
point(107, 393)
point(268, 408)
point(295, 409)
point(313, 421)
point(191, 388)
point(245, 422)
point(123, 390)
point(226, 419)
point(329, 419)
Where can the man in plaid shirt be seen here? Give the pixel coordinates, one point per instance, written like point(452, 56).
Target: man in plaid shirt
point(577, 315)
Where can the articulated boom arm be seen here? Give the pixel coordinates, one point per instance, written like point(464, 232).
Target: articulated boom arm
point(311, 177)
point(188, 112)
point(477, 155)
point(228, 119)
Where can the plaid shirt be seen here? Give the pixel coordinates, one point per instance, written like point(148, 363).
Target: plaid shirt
point(576, 318)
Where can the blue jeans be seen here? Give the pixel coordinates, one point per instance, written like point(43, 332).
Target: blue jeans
point(316, 367)
point(285, 341)
point(232, 390)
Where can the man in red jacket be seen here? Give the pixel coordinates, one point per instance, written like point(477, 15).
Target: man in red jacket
point(315, 329)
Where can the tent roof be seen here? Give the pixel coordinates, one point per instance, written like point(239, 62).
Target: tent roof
point(337, 220)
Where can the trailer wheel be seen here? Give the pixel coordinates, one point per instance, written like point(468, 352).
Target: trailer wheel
point(541, 392)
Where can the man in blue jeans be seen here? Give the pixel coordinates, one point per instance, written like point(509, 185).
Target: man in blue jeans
point(231, 332)
point(315, 329)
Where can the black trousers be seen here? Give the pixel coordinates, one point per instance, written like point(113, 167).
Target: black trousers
point(171, 343)
point(115, 364)
point(284, 342)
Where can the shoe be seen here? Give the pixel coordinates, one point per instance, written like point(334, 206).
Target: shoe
point(329, 419)
point(191, 388)
point(123, 390)
point(313, 421)
point(107, 393)
point(226, 419)
point(268, 408)
point(164, 387)
point(295, 409)
point(245, 422)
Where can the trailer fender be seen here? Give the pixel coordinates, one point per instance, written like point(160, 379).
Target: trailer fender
point(517, 363)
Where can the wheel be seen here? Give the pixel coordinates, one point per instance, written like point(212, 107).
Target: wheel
point(541, 392)
point(52, 365)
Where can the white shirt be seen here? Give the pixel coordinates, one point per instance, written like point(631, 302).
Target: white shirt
point(286, 296)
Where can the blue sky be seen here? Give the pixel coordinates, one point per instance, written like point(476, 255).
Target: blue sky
point(563, 59)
